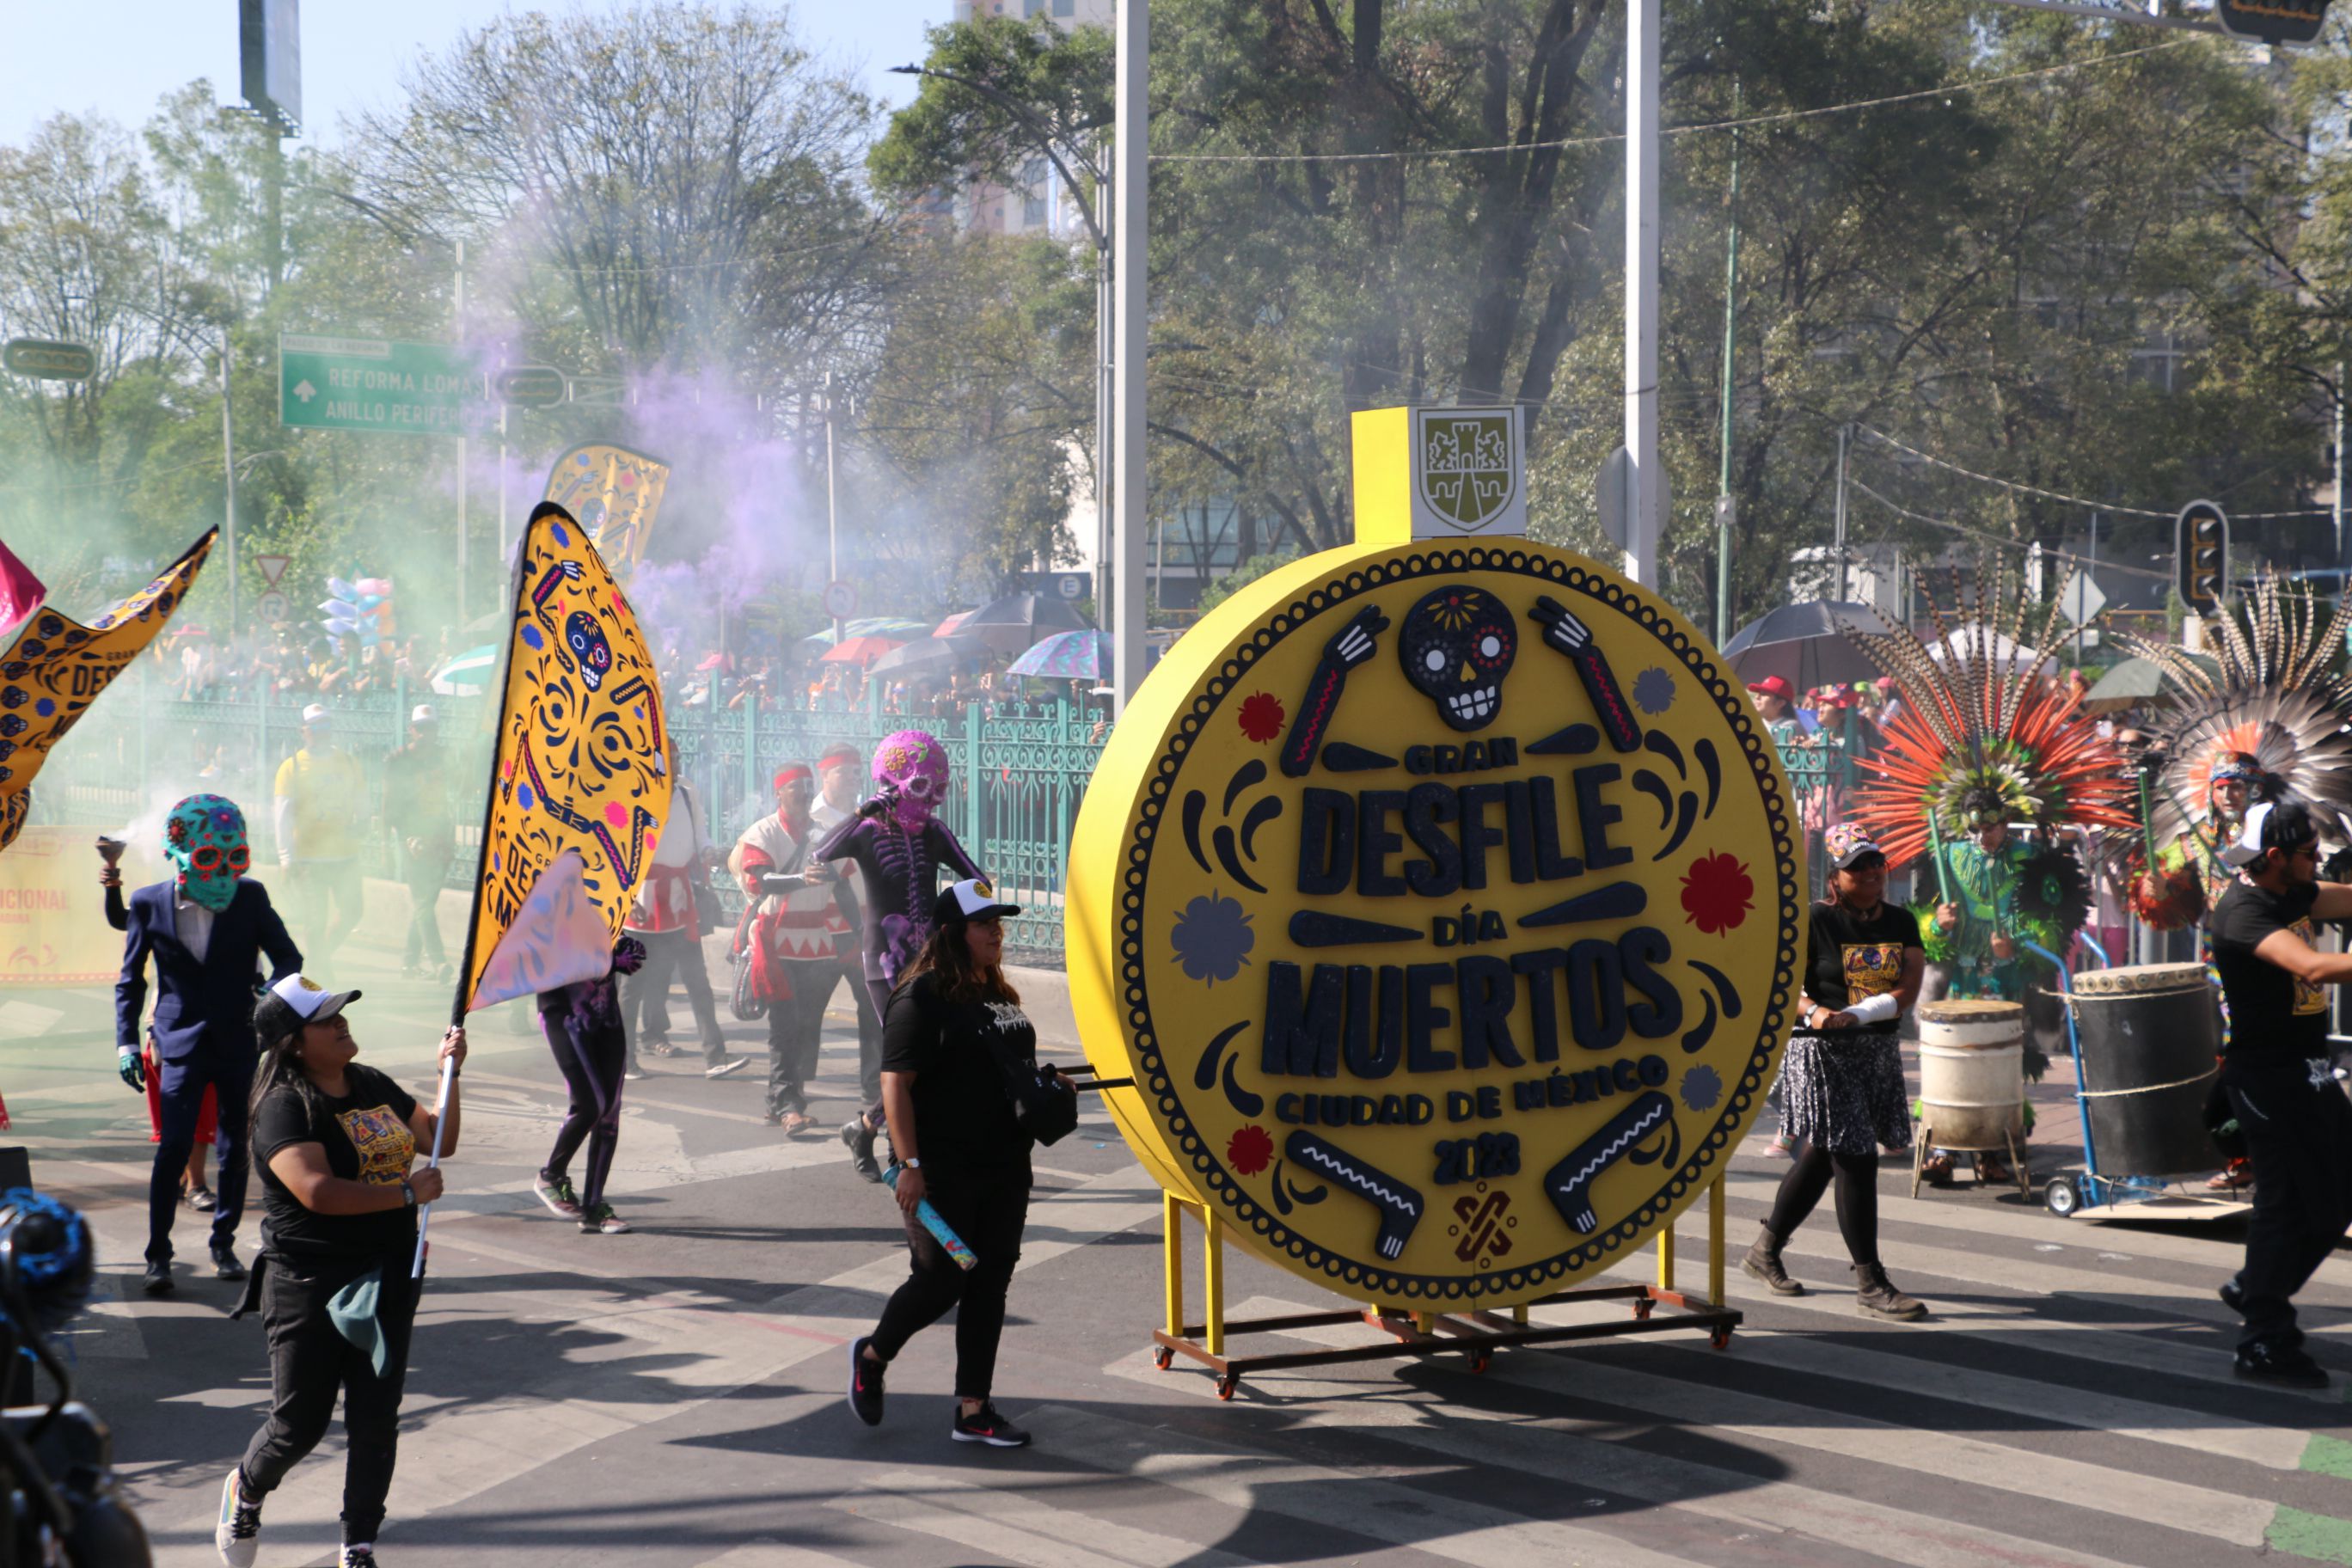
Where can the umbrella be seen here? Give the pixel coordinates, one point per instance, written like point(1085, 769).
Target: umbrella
point(190, 632)
point(952, 624)
point(1805, 645)
point(2133, 682)
point(897, 628)
point(2006, 655)
point(1067, 656)
point(932, 653)
point(1017, 621)
point(861, 650)
point(466, 674)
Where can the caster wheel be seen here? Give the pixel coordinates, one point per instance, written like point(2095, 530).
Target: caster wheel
point(1642, 1307)
point(2060, 1195)
point(1162, 1357)
point(1720, 1339)
point(1226, 1386)
point(1481, 1360)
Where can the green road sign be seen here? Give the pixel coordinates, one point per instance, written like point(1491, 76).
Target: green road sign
point(529, 387)
point(47, 360)
point(368, 384)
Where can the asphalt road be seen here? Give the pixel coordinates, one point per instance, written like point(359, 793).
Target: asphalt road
point(673, 1398)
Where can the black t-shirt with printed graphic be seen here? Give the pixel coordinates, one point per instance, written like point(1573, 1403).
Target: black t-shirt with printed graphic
point(366, 1136)
point(1850, 959)
point(2275, 1017)
point(958, 1052)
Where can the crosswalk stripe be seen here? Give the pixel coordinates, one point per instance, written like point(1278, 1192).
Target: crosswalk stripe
point(1898, 1535)
point(1250, 1480)
point(766, 1554)
point(1015, 1525)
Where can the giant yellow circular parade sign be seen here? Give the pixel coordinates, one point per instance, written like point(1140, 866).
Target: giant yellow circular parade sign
point(1442, 901)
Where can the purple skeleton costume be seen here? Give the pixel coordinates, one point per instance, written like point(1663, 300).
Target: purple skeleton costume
point(900, 846)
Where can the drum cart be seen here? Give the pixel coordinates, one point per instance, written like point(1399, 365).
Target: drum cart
point(2095, 1194)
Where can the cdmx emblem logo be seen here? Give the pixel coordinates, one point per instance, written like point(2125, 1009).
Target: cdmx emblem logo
point(1480, 1232)
point(1466, 470)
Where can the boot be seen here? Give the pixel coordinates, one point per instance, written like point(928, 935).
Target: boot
point(1876, 1297)
point(1763, 1261)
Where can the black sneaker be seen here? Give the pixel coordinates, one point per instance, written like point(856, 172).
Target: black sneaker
point(356, 1557)
point(985, 1425)
point(236, 1535)
point(2286, 1365)
point(199, 1198)
point(159, 1280)
point(866, 1382)
point(858, 1139)
point(224, 1264)
point(2233, 1295)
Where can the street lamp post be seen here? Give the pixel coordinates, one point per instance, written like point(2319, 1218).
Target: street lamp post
point(1646, 481)
point(1132, 132)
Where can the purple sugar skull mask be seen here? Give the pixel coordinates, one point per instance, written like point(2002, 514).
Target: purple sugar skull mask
point(204, 838)
point(913, 765)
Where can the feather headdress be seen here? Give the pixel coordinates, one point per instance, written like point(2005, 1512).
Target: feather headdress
point(1978, 724)
point(2267, 692)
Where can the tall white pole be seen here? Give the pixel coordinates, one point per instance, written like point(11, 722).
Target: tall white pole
point(1132, 126)
point(832, 521)
point(1646, 484)
point(228, 475)
point(464, 545)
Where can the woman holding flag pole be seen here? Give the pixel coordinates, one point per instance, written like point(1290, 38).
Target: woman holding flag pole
point(578, 791)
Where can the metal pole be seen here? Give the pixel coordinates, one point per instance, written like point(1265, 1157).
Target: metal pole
point(458, 331)
point(1104, 397)
point(502, 481)
point(228, 483)
point(2336, 507)
point(1841, 512)
point(1132, 131)
point(1730, 325)
point(832, 523)
point(1642, 156)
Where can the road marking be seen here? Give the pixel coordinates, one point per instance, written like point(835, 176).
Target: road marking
point(1248, 1481)
point(1014, 1525)
point(767, 1555)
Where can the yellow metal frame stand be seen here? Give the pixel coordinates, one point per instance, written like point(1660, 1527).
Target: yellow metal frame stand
point(1476, 1334)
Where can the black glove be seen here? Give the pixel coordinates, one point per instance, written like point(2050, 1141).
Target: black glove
point(133, 1071)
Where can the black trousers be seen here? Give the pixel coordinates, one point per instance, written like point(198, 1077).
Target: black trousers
point(424, 875)
point(180, 1089)
point(2298, 1131)
point(644, 996)
point(795, 1034)
point(592, 1061)
point(309, 1363)
point(1810, 1173)
point(987, 1208)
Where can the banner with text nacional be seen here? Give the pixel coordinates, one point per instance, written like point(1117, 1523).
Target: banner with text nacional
point(1442, 897)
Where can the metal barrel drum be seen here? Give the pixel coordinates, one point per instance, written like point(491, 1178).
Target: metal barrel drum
point(2150, 1034)
point(1972, 1073)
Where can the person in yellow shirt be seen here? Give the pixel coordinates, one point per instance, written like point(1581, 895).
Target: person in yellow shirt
point(321, 795)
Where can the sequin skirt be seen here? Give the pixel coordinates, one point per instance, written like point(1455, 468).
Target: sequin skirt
point(1845, 1096)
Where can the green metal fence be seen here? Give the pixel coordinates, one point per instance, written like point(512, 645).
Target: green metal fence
point(1016, 780)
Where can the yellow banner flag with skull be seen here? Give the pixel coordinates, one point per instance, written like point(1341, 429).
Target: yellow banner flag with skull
point(616, 493)
point(580, 784)
point(56, 667)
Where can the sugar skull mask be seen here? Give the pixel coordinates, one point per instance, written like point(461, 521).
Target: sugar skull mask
point(915, 765)
point(204, 838)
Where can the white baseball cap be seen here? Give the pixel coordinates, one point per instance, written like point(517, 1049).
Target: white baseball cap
point(293, 1002)
point(423, 714)
point(316, 717)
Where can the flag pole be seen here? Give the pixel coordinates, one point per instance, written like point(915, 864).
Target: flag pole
point(481, 861)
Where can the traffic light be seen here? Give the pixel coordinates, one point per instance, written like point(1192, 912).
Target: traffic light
point(2202, 555)
point(2272, 21)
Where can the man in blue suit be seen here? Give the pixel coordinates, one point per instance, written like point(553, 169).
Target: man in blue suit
point(206, 929)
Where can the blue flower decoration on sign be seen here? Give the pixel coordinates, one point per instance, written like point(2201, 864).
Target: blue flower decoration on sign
point(1702, 1087)
point(1653, 690)
point(1213, 938)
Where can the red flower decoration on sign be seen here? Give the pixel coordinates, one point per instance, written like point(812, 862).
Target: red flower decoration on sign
point(1249, 1151)
point(1717, 894)
point(1261, 717)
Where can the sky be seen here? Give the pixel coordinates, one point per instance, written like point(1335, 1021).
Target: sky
point(119, 57)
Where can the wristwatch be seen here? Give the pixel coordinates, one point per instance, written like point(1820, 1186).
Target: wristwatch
point(408, 1191)
point(912, 1163)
